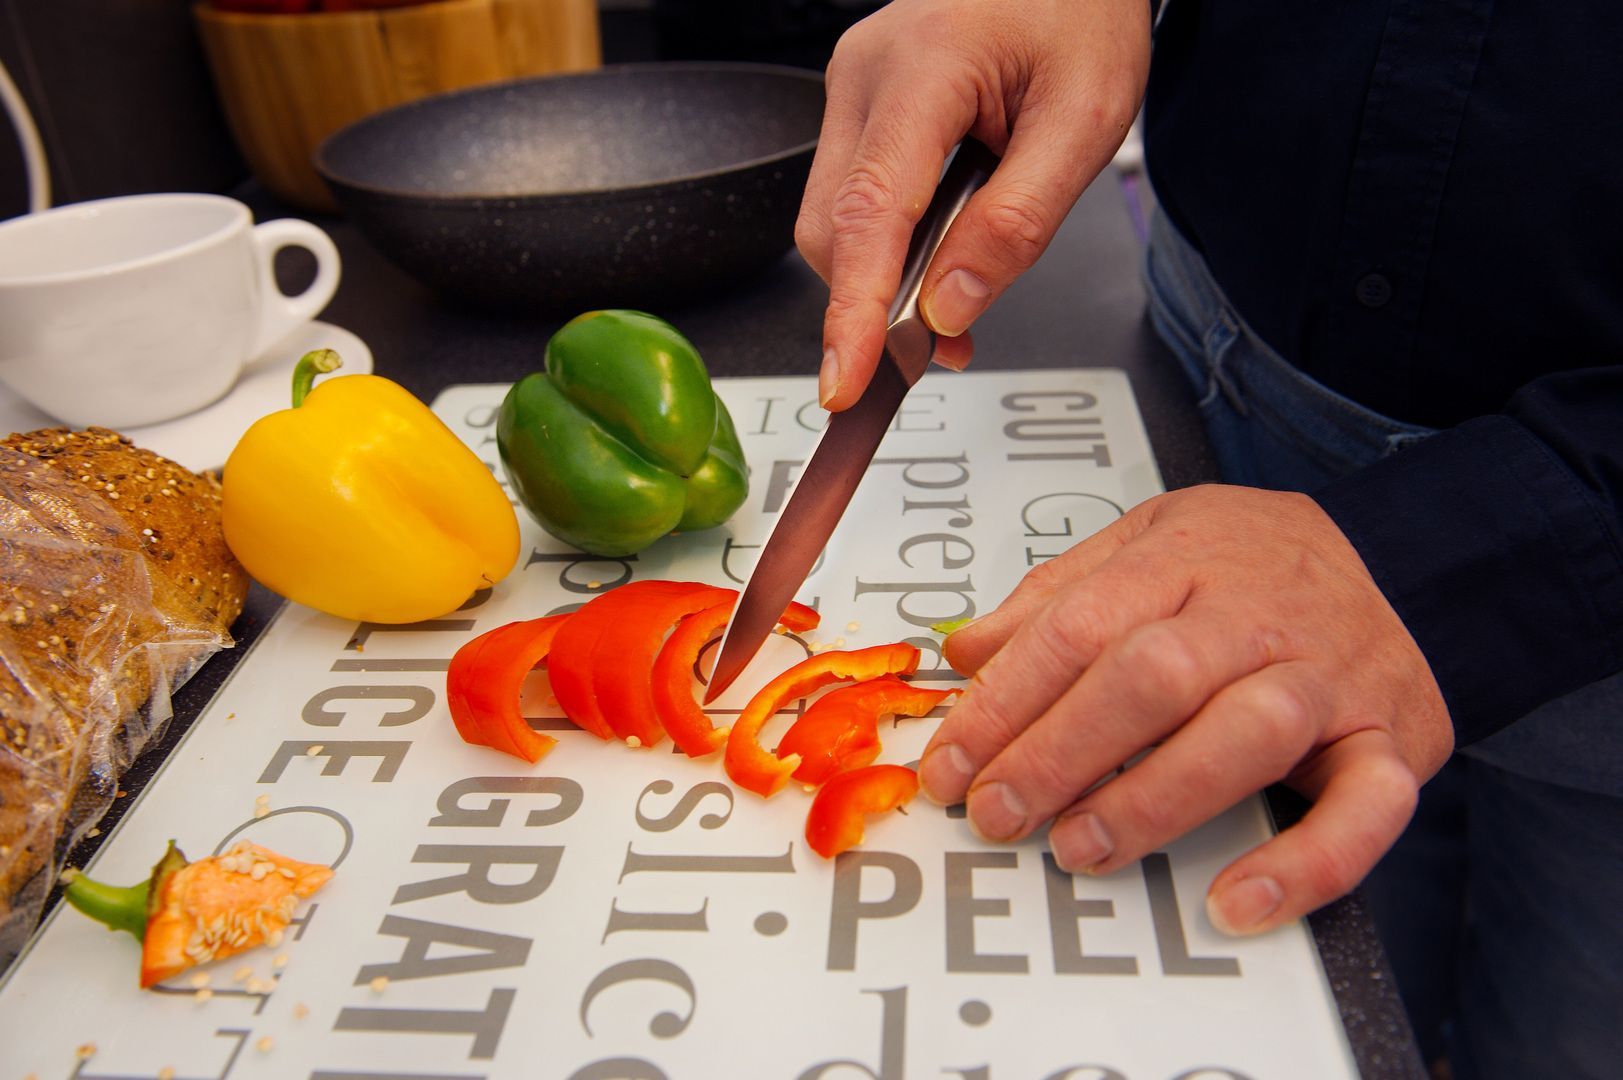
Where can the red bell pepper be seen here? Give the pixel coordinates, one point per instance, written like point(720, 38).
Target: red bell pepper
point(838, 814)
point(485, 678)
point(756, 769)
point(623, 658)
point(573, 651)
point(681, 714)
point(840, 731)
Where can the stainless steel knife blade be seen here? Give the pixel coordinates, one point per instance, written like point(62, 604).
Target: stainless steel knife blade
point(850, 438)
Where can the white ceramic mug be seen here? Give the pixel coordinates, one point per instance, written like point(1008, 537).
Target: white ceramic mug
point(124, 312)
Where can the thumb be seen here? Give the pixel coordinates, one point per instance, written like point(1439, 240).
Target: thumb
point(1008, 224)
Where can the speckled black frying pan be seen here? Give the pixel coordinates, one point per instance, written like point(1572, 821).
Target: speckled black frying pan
point(626, 186)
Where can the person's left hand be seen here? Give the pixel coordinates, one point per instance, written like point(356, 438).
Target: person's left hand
point(1236, 635)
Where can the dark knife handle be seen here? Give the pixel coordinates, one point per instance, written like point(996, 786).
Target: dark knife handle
point(909, 341)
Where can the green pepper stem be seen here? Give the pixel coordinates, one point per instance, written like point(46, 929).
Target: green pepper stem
point(120, 907)
point(313, 363)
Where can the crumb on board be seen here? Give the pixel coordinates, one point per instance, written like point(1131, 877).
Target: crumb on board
point(242, 974)
point(264, 1044)
point(85, 1051)
point(314, 749)
point(93, 831)
point(594, 584)
point(300, 1010)
point(379, 984)
point(166, 1073)
point(280, 962)
point(261, 810)
point(852, 627)
point(200, 980)
point(633, 742)
point(202, 995)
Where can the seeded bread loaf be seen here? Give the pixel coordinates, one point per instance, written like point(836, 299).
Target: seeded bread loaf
point(115, 583)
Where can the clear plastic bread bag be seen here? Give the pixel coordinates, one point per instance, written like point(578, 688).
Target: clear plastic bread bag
point(93, 641)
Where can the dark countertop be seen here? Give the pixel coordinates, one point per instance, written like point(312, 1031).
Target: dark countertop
point(1082, 305)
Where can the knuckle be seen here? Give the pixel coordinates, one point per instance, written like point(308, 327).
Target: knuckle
point(1019, 223)
point(1045, 780)
point(863, 198)
point(1160, 663)
point(1391, 786)
point(1149, 808)
point(1045, 576)
point(1279, 714)
point(845, 304)
point(811, 234)
point(1330, 871)
point(986, 717)
point(1073, 632)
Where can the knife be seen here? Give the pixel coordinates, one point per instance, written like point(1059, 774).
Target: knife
point(850, 438)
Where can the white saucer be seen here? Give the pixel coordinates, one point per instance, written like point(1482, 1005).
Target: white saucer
point(203, 439)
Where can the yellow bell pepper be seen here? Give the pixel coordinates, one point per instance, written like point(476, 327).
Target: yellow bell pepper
point(359, 502)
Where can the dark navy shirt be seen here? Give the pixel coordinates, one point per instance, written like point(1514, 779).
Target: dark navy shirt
point(1420, 204)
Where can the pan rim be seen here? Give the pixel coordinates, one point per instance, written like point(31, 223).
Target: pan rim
point(333, 178)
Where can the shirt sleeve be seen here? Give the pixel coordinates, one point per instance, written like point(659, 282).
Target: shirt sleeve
point(1500, 545)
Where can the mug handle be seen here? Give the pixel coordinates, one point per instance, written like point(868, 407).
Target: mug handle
point(281, 313)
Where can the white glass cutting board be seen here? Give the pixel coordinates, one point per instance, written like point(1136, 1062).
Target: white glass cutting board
point(615, 913)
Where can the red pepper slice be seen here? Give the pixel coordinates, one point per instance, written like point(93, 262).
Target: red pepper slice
point(572, 653)
point(838, 814)
point(756, 769)
point(483, 683)
point(840, 731)
point(681, 714)
point(623, 659)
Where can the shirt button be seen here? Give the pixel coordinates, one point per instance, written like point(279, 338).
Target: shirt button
point(1373, 290)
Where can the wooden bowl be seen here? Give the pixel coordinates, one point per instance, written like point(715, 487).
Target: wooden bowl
point(286, 82)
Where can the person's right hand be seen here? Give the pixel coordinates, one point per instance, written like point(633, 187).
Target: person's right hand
point(1052, 85)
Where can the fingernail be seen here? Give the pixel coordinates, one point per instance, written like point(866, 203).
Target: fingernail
point(996, 811)
point(944, 774)
point(1240, 908)
point(1079, 842)
point(957, 300)
point(828, 378)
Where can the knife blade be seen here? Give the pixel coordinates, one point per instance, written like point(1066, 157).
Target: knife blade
point(850, 439)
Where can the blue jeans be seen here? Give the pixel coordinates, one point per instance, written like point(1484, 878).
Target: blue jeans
point(1501, 906)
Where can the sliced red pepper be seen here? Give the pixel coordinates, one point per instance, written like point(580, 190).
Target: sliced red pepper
point(681, 714)
point(483, 684)
point(572, 652)
point(840, 731)
point(756, 769)
point(838, 814)
point(623, 659)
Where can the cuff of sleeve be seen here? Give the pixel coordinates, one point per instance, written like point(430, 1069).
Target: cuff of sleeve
point(1497, 562)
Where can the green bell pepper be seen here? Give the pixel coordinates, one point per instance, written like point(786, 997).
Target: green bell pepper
point(621, 439)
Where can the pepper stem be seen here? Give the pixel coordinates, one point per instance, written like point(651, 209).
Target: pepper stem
point(120, 907)
point(313, 363)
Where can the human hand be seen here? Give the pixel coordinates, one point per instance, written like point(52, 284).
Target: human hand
point(1052, 86)
point(1236, 635)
